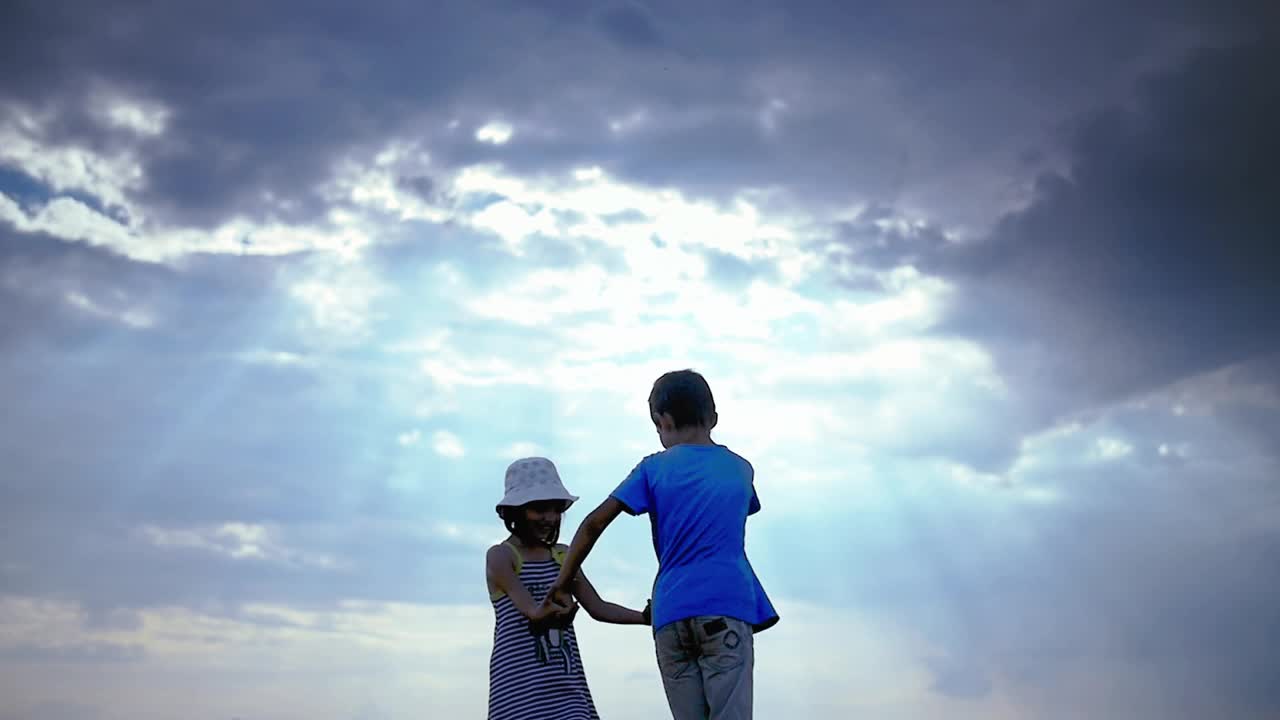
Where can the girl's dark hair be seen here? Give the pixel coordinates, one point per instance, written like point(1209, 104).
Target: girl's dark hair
point(518, 525)
point(686, 395)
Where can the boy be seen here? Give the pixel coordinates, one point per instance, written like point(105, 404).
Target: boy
point(707, 602)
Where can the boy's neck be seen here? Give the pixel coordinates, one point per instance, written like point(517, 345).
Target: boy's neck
point(693, 436)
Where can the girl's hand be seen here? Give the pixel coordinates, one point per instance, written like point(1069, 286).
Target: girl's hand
point(647, 613)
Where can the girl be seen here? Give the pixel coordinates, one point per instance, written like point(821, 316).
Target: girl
point(535, 672)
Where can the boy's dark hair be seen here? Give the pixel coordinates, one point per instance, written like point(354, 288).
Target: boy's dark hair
point(518, 525)
point(686, 395)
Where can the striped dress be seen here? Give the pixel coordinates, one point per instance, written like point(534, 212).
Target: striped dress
point(535, 674)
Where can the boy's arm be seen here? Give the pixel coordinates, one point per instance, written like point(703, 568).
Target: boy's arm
point(501, 570)
point(592, 527)
point(604, 611)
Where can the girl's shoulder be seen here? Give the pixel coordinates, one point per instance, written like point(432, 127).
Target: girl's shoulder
point(503, 552)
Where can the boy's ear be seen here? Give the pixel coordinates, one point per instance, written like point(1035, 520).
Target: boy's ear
point(715, 418)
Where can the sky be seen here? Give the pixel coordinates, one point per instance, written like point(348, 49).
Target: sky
point(985, 291)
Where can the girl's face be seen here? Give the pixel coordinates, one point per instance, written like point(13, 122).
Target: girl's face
point(543, 518)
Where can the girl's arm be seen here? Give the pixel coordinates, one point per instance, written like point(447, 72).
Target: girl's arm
point(501, 571)
point(605, 611)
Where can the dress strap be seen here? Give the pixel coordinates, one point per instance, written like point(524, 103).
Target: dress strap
point(557, 553)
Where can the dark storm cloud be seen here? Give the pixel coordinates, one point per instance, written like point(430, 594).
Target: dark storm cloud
point(629, 24)
point(875, 241)
point(263, 98)
point(41, 279)
point(1155, 257)
point(266, 98)
point(1151, 258)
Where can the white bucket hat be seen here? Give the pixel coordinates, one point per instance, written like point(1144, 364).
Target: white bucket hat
point(532, 479)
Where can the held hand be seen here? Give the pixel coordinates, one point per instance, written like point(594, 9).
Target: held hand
point(647, 613)
point(552, 611)
point(559, 594)
point(567, 608)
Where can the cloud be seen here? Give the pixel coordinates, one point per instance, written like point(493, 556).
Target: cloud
point(1145, 261)
point(630, 25)
point(523, 448)
point(239, 541)
point(1149, 569)
point(76, 653)
point(1149, 262)
point(58, 710)
point(205, 438)
point(496, 133)
point(448, 445)
point(258, 136)
point(267, 307)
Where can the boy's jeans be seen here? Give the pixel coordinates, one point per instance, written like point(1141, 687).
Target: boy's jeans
point(706, 665)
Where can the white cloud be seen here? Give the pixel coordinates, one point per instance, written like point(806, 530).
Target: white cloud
point(446, 444)
point(436, 656)
point(1110, 448)
point(340, 298)
point(454, 370)
point(521, 449)
point(399, 181)
point(235, 540)
point(112, 178)
point(278, 358)
point(475, 535)
point(144, 118)
point(69, 219)
point(496, 133)
point(513, 223)
point(542, 296)
point(68, 167)
point(409, 439)
point(625, 124)
point(738, 230)
point(132, 317)
point(435, 405)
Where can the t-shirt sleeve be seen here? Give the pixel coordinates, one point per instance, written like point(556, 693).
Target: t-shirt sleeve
point(753, 506)
point(634, 491)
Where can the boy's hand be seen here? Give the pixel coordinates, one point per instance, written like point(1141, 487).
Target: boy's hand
point(647, 613)
point(552, 610)
point(558, 594)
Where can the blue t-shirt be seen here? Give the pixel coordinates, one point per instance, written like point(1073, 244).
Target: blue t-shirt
point(698, 498)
